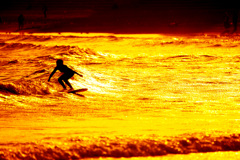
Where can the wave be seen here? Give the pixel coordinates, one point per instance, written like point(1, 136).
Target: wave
point(13, 46)
point(191, 58)
point(67, 49)
point(78, 148)
point(161, 43)
point(26, 87)
point(47, 54)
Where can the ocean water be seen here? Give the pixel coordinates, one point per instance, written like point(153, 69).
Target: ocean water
point(149, 96)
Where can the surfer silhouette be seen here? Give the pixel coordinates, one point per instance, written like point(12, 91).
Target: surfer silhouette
point(20, 22)
point(45, 10)
point(235, 20)
point(67, 74)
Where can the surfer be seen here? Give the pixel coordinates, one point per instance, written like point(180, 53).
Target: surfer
point(67, 74)
point(227, 24)
point(235, 20)
point(20, 22)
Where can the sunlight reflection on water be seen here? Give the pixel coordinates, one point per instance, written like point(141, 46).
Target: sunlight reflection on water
point(138, 85)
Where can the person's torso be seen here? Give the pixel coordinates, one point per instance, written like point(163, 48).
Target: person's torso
point(64, 69)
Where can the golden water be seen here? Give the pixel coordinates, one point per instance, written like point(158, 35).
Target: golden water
point(148, 95)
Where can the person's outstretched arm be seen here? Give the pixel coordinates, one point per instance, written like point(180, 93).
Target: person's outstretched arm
point(78, 74)
point(52, 74)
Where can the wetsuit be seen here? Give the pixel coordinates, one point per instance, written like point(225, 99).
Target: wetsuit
point(67, 74)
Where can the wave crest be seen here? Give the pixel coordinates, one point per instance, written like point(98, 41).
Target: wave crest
point(27, 87)
point(120, 147)
point(14, 46)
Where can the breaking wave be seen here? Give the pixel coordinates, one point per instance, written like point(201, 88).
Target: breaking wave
point(27, 87)
point(13, 46)
point(78, 148)
point(83, 54)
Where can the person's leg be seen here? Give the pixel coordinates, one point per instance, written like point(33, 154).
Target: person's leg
point(65, 78)
point(66, 81)
point(60, 80)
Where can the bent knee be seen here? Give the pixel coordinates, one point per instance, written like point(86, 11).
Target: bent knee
point(60, 79)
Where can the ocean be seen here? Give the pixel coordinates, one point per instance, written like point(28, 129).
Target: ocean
point(149, 96)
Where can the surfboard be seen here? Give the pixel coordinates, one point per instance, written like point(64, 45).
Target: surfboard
point(78, 90)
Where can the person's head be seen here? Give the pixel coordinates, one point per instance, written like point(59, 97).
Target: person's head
point(59, 62)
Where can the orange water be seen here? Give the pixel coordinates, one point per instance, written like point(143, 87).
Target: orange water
point(143, 91)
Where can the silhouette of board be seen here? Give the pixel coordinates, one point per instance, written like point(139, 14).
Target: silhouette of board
point(78, 90)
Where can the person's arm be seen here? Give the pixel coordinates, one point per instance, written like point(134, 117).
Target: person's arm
point(52, 74)
point(78, 74)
